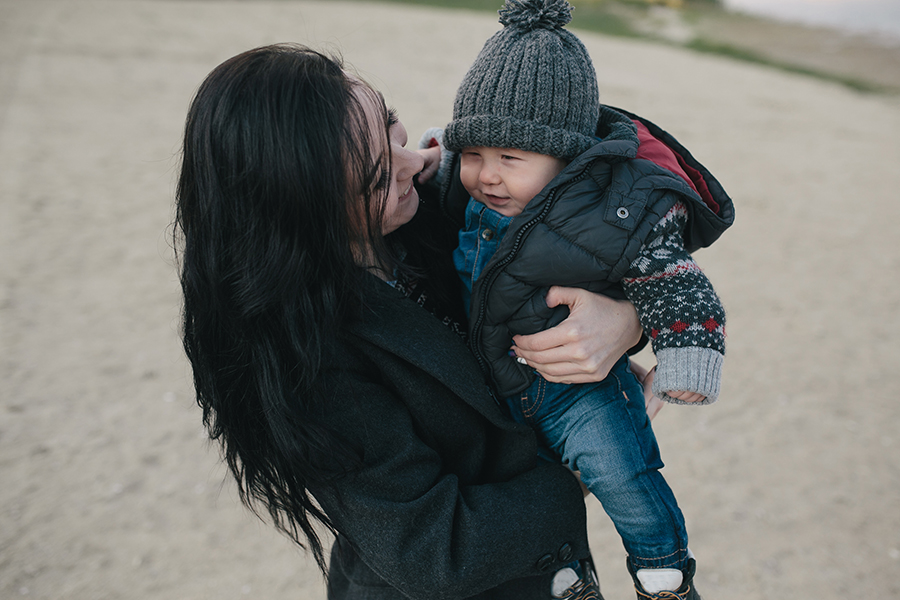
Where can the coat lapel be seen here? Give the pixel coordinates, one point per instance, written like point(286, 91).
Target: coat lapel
point(401, 327)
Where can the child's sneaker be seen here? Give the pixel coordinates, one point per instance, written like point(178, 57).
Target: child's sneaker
point(569, 584)
point(665, 584)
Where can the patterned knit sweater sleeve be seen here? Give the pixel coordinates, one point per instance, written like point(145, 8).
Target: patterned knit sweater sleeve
point(680, 311)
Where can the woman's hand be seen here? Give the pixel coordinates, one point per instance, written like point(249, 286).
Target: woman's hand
point(584, 347)
point(432, 158)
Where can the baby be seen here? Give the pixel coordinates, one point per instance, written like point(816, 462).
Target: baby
point(558, 189)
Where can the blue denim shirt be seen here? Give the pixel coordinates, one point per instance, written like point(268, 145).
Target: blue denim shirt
point(478, 241)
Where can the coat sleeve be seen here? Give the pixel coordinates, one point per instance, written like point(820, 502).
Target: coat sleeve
point(425, 532)
point(679, 310)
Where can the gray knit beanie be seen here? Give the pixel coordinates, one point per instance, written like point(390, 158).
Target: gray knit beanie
point(532, 86)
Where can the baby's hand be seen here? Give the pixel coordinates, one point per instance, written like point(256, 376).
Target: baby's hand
point(432, 158)
point(687, 396)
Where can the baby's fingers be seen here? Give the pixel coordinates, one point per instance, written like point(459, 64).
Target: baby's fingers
point(687, 396)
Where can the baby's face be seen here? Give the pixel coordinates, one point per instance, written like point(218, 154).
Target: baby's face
point(506, 179)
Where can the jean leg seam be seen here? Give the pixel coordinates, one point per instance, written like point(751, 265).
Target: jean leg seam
point(673, 520)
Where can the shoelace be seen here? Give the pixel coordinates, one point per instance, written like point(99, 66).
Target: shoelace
point(665, 595)
point(581, 591)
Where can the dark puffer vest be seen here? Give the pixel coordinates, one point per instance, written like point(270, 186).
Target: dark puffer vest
point(583, 230)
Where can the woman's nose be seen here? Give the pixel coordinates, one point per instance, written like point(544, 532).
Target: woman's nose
point(408, 163)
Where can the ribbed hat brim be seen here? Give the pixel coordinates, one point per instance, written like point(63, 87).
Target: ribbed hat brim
point(508, 132)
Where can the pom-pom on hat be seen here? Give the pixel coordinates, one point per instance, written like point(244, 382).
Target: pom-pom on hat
point(532, 86)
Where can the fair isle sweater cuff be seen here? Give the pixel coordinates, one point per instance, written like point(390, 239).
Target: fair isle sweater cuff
point(688, 370)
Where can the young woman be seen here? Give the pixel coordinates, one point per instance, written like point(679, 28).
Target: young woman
point(323, 337)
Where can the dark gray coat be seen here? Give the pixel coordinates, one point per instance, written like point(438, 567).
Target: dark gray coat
point(452, 501)
point(583, 230)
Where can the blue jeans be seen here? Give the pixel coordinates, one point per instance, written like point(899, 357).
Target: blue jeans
point(602, 431)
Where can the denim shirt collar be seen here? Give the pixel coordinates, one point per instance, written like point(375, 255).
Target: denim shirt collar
point(480, 216)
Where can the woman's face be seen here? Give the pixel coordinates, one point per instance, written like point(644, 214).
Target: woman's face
point(402, 200)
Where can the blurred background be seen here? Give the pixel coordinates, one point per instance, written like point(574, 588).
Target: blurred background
point(790, 483)
point(860, 16)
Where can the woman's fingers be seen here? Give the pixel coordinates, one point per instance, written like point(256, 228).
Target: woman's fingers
point(586, 345)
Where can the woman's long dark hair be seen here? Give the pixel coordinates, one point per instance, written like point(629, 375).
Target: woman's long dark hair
point(277, 187)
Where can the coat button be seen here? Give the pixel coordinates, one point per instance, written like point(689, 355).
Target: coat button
point(545, 562)
point(565, 553)
point(487, 235)
point(622, 212)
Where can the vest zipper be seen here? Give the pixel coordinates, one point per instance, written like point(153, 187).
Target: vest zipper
point(488, 278)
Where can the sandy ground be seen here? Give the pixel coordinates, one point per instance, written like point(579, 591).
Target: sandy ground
point(108, 489)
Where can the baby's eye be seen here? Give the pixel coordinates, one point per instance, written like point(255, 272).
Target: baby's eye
point(508, 157)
